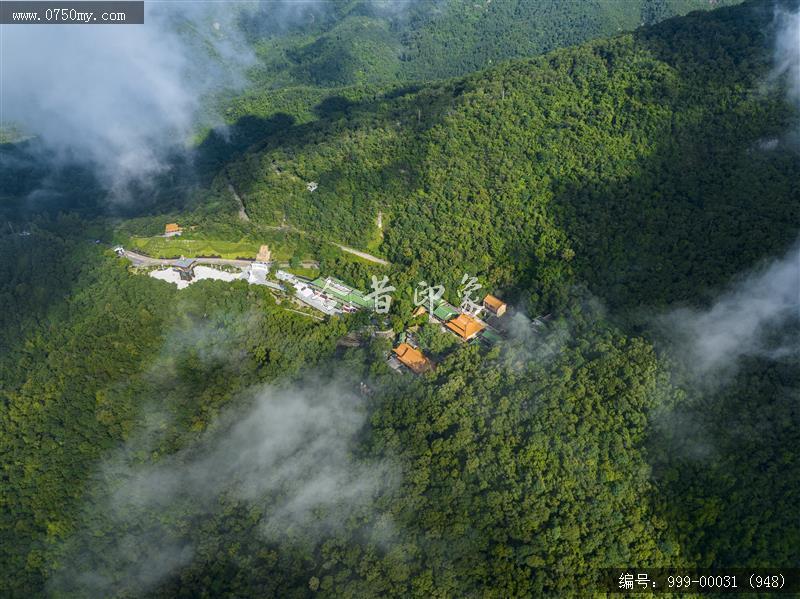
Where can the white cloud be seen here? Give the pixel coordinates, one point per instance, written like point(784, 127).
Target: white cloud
point(120, 97)
point(752, 318)
point(787, 50)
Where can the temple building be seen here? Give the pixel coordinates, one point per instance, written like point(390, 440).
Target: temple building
point(185, 267)
point(494, 305)
point(172, 229)
point(412, 358)
point(465, 326)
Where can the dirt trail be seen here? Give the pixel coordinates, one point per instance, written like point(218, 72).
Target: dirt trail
point(361, 254)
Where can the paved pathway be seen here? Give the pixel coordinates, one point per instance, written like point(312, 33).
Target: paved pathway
point(141, 260)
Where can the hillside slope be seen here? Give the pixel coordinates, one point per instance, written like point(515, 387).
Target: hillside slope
point(633, 162)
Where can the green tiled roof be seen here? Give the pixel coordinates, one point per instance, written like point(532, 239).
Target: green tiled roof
point(357, 298)
point(352, 296)
point(491, 336)
point(444, 311)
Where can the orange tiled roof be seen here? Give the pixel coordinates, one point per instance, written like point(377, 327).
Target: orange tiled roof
point(465, 326)
point(172, 228)
point(493, 302)
point(413, 358)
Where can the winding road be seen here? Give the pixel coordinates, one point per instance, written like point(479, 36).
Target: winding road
point(138, 259)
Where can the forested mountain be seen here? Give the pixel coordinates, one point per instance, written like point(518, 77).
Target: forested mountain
point(605, 184)
point(348, 42)
point(294, 54)
point(632, 162)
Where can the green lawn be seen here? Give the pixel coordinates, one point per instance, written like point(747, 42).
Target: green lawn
point(170, 247)
point(283, 246)
point(309, 273)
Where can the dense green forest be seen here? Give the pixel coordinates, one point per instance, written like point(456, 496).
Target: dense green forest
point(604, 184)
point(304, 50)
point(631, 163)
point(350, 42)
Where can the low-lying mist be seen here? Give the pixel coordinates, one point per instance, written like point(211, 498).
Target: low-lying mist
point(290, 456)
point(756, 316)
point(120, 98)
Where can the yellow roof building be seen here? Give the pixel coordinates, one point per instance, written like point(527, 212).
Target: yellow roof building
point(414, 359)
point(494, 305)
point(465, 326)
